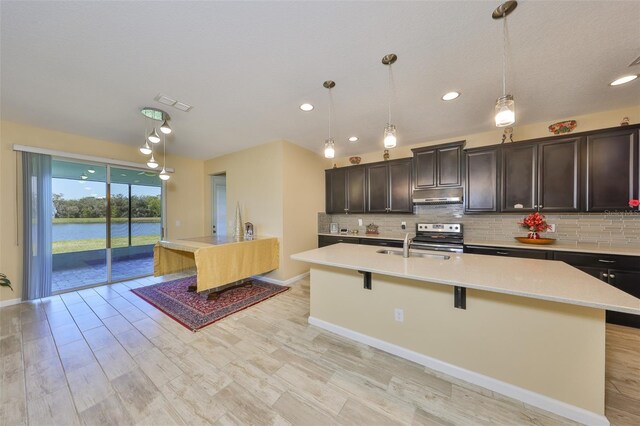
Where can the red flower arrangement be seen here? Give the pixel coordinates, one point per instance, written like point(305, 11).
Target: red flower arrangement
point(634, 203)
point(535, 223)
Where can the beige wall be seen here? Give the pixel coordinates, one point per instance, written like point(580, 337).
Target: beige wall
point(184, 203)
point(280, 189)
point(303, 199)
point(554, 349)
point(586, 122)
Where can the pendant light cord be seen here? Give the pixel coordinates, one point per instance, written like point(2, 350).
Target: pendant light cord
point(504, 56)
point(164, 151)
point(390, 92)
point(330, 114)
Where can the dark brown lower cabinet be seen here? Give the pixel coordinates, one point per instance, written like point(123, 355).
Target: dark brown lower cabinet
point(507, 252)
point(380, 242)
point(327, 240)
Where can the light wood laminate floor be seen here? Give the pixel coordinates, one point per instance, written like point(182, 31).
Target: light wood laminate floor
point(103, 356)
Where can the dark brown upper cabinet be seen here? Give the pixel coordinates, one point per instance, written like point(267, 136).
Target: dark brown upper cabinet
point(482, 180)
point(335, 190)
point(389, 186)
point(438, 166)
point(611, 167)
point(559, 175)
point(519, 188)
point(542, 176)
point(345, 190)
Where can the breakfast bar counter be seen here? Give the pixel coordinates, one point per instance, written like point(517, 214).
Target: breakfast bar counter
point(531, 329)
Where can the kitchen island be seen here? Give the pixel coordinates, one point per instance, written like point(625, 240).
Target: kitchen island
point(218, 260)
point(530, 329)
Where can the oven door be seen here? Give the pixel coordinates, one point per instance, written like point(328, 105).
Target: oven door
point(452, 248)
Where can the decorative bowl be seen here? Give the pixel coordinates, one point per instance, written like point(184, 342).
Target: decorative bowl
point(355, 160)
point(563, 127)
point(527, 240)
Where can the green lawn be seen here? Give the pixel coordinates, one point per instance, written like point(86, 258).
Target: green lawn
point(103, 220)
point(99, 243)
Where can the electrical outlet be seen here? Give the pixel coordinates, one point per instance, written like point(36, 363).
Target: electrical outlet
point(403, 224)
point(552, 227)
point(398, 314)
point(359, 222)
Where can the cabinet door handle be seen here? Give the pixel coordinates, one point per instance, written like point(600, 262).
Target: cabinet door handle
point(383, 244)
point(605, 275)
point(540, 206)
point(606, 261)
point(612, 276)
point(535, 206)
point(503, 252)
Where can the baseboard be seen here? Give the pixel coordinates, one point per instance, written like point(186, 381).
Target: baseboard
point(10, 302)
point(282, 282)
point(528, 397)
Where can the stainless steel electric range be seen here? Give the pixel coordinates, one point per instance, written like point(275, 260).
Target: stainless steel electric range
point(439, 237)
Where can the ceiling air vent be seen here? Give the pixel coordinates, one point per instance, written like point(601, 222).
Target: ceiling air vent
point(636, 62)
point(163, 99)
point(182, 107)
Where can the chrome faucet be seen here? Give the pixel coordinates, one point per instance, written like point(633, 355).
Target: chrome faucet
point(406, 245)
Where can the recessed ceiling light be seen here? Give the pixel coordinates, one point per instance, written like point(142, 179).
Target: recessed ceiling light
point(306, 107)
point(623, 80)
point(353, 139)
point(450, 96)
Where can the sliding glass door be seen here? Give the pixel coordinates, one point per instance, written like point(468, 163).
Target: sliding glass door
point(105, 222)
point(136, 200)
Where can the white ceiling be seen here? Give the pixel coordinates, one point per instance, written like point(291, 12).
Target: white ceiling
point(87, 67)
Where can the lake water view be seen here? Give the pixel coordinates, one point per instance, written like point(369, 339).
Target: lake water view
point(84, 231)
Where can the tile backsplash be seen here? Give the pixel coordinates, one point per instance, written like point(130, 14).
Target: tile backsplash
point(605, 229)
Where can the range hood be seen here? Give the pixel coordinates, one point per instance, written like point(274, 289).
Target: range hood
point(437, 196)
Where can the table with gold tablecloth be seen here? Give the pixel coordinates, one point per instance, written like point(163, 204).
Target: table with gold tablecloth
point(218, 260)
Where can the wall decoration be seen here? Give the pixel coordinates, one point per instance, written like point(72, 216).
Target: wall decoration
point(563, 127)
point(625, 121)
point(508, 131)
point(355, 160)
point(386, 155)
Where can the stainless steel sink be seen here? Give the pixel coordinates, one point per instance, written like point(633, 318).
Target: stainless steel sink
point(414, 254)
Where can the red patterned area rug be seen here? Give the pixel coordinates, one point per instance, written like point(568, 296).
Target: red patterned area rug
point(194, 311)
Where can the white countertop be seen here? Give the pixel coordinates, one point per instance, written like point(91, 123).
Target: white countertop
point(557, 246)
point(560, 246)
point(539, 279)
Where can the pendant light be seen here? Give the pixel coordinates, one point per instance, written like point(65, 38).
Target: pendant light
point(145, 149)
point(164, 128)
point(390, 136)
point(163, 174)
point(153, 136)
point(329, 144)
point(505, 105)
point(152, 164)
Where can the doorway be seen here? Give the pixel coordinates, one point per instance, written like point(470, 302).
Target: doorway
point(219, 205)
